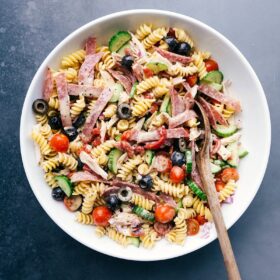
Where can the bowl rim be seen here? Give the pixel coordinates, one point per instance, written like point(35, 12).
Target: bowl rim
point(167, 14)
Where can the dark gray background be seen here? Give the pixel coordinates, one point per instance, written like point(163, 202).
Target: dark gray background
point(31, 245)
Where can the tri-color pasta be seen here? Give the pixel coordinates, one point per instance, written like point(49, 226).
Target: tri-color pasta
point(118, 130)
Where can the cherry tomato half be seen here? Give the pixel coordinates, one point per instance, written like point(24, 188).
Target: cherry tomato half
point(126, 135)
point(201, 219)
point(96, 142)
point(219, 184)
point(164, 213)
point(192, 80)
point(211, 65)
point(193, 227)
point(162, 163)
point(148, 72)
point(229, 174)
point(177, 174)
point(95, 131)
point(101, 216)
point(59, 142)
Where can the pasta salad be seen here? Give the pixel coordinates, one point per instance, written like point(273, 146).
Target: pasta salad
point(118, 132)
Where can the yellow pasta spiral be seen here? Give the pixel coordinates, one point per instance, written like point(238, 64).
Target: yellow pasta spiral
point(154, 37)
point(50, 180)
point(110, 111)
point(78, 107)
point(100, 231)
point(179, 70)
point(149, 239)
point(90, 106)
point(75, 147)
point(42, 142)
point(54, 102)
point(113, 132)
point(41, 119)
point(117, 237)
point(46, 131)
point(99, 187)
point(175, 190)
point(141, 201)
point(107, 61)
point(99, 202)
point(128, 167)
point(73, 59)
point(201, 209)
point(84, 218)
point(199, 63)
point(67, 160)
point(50, 164)
point(187, 201)
point(228, 112)
point(160, 91)
point(81, 188)
point(88, 202)
point(182, 36)
point(103, 148)
point(141, 106)
point(71, 74)
point(148, 84)
point(143, 31)
point(227, 191)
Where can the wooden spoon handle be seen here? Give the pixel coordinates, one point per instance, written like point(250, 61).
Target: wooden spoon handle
point(214, 204)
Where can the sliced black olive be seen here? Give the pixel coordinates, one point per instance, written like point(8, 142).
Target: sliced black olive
point(79, 121)
point(113, 202)
point(40, 106)
point(71, 132)
point(124, 111)
point(125, 194)
point(58, 194)
point(183, 49)
point(80, 165)
point(127, 61)
point(55, 122)
point(172, 43)
point(146, 182)
point(180, 145)
point(178, 158)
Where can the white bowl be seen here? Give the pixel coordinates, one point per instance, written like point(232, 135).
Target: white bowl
point(246, 87)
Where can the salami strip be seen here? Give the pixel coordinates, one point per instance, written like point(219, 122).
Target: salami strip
point(84, 176)
point(126, 82)
point(173, 57)
point(181, 118)
point(208, 110)
point(87, 91)
point(48, 85)
point(90, 45)
point(177, 103)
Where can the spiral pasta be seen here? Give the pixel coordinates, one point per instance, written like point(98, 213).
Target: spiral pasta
point(228, 190)
point(99, 202)
point(160, 91)
point(71, 74)
point(103, 148)
point(182, 36)
point(117, 237)
point(149, 239)
point(141, 106)
point(54, 102)
point(88, 202)
point(85, 219)
point(78, 107)
point(46, 131)
point(199, 63)
point(50, 164)
point(42, 142)
point(143, 31)
point(179, 70)
point(107, 61)
point(154, 37)
point(148, 84)
point(187, 201)
point(99, 187)
point(50, 180)
point(175, 190)
point(73, 59)
point(100, 231)
point(110, 111)
point(128, 167)
point(141, 201)
point(67, 160)
point(201, 209)
point(75, 147)
point(113, 132)
point(81, 188)
point(41, 119)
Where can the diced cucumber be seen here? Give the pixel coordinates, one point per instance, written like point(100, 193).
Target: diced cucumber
point(215, 76)
point(113, 157)
point(242, 152)
point(121, 51)
point(225, 131)
point(133, 90)
point(169, 109)
point(180, 204)
point(215, 168)
point(117, 91)
point(118, 137)
point(149, 155)
point(219, 162)
point(65, 184)
point(197, 191)
point(234, 158)
point(216, 86)
point(118, 40)
point(189, 161)
point(135, 241)
point(156, 67)
point(143, 213)
point(165, 102)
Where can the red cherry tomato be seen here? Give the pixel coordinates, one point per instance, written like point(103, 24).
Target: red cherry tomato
point(59, 143)
point(96, 142)
point(219, 184)
point(201, 219)
point(177, 174)
point(101, 216)
point(164, 213)
point(211, 65)
point(192, 80)
point(95, 131)
point(193, 227)
point(126, 135)
point(162, 163)
point(148, 72)
point(229, 174)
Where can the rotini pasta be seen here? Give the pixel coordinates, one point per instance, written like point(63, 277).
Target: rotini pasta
point(73, 59)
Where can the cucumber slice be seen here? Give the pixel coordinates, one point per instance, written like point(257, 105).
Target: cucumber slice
point(113, 157)
point(118, 137)
point(215, 168)
point(65, 184)
point(214, 77)
point(143, 213)
point(216, 86)
point(234, 159)
point(189, 161)
point(156, 67)
point(117, 91)
point(165, 102)
point(133, 90)
point(118, 40)
point(121, 51)
point(149, 155)
point(169, 109)
point(180, 204)
point(242, 153)
point(135, 241)
point(225, 131)
point(197, 191)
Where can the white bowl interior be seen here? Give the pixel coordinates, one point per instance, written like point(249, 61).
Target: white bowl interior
point(245, 87)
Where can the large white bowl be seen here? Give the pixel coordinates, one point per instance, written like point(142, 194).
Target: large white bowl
point(246, 87)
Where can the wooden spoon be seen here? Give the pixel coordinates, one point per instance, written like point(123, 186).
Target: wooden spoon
point(203, 164)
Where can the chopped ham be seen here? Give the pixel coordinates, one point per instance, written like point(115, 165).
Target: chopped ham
point(189, 100)
point(181, 118)
point(92, 164)
point(177, 103)
point(48, 85)
point(98, 107)
point(176, 133)
point(218, 116)
point(90, 45)
point(64, 100)
point(168, 199)
point(86, 72)
point(138, 71)
point(125, 81)
point(162, 229)
point(208, 110)
point(109, 81)
point(225, 99)
point(137, 47)
point(147, 136)
point(84, 176)
point(87, 91)
point(173, 57)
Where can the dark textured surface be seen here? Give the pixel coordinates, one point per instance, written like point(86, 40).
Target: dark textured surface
point(31, 245)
